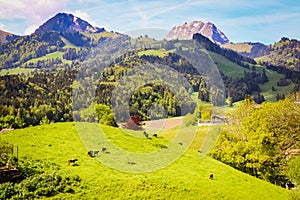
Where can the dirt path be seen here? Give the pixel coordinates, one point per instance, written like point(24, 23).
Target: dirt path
point(165, 124)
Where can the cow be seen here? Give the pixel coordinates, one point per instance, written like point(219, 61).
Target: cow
point(145, 134)
point(155, 135)
point(96, 153)
point(104, 149)
point(131, 163)
point(289, 185)
point(73, 160)
point(211, 176)
point(90, 153)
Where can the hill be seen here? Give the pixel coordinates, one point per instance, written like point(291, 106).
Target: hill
point(67, 23)
point(186, 32)
point(7, 37)
point(284, 53)
point(186, 178)
point(248, 49)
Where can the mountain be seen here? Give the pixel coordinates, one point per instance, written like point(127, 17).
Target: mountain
point(186, 32)
point(7, 37)
point(67, 23)
point(248, 49)
point(284, 53)
point(231, 55)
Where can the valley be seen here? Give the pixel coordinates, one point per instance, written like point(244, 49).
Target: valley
point(97, 114)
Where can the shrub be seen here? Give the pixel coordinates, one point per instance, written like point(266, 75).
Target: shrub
point(39, 185)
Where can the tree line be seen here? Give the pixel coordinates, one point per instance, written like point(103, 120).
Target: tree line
point(256, 140)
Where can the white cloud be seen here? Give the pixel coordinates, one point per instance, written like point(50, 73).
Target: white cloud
point(84, 16)
point(3, 27)
point(30, 29)
point(31, 11)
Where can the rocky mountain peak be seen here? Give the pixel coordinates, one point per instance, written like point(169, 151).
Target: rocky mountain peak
point(186, 31)
point(64, 22)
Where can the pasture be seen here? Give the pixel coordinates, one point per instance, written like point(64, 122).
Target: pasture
point(185, 178)
point(49, 56)
point(17, 70)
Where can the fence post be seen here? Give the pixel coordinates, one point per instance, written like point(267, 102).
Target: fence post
point(17, 156)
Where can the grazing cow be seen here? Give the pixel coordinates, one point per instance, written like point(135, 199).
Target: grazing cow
point(154, 135)
point(211, 176)
point(146, 134)
point(96, 153)
point(180, 143)
point(90, 153)
point(104, 149)
point(131, 163)
point(289, 185)
point(73, 160)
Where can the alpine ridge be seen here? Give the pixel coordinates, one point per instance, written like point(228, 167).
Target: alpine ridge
point(63, 22)
point(7, 37)
point(186, 31)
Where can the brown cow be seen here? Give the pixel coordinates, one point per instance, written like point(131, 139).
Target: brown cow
point(73, 160)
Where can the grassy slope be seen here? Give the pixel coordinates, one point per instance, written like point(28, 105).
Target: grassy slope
point(267, 87)
point(54, 55)
point(233, 70)
point(68, 44)
point(160, 53)
point(186, 178)
point(229, 68)
point(18, 70)
point(239, 47)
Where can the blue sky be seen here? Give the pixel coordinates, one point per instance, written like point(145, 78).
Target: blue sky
point(241, 20)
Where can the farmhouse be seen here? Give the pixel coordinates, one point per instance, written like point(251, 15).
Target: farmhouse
point(291, 152)
point(215, 119)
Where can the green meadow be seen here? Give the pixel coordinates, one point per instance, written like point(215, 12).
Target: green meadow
point(54, 55)
point(17, 70)
point(185, 178)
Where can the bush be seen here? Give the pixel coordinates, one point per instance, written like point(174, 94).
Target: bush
point(190, 120)
point(46, 184)
point(7, 190)
point(29, 167)
point(5, 152)
point(41, 180)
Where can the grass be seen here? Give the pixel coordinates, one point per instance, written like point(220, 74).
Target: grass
point(54, 55)
point(17, 70)
point(152, 52)
point(68, 44)
point(229, 68)
point(266, 88)
point(185, 178)
point(233, 70)
point(239, 47)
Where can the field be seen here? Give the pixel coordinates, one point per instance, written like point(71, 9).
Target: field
point(160, 53)
point(186, 178)
point(229, 68)
point(239, 47)
point(233, 70)
point(54, 55)
point(15, 71)
point(266, 88)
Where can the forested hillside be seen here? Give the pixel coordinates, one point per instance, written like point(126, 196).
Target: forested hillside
point(259, 141)
point(283, 53)
point(46, 93)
